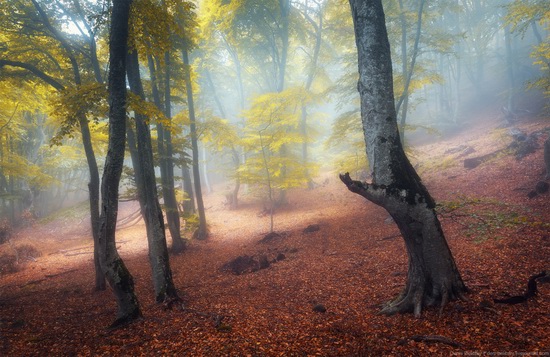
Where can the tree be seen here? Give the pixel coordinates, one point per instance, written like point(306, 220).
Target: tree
point(113, 267)
point(156, 30)
point(69, 52)
point(522, 15)
point(202, 231)
point(433, 278)
point(148, 195)
point(272, 124)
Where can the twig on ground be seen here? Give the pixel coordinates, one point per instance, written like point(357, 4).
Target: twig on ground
point(430, 338)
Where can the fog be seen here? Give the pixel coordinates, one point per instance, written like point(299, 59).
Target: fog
point(275, 95)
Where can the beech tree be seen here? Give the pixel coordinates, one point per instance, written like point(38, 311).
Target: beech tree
point(156, 33)
point(49, 48)
point(433, 278)
point(113, 267)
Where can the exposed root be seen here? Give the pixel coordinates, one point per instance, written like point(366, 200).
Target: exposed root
point(170, 302)
point(444, 301)
point(125, 320)
point(417, 301)
point(414, 300)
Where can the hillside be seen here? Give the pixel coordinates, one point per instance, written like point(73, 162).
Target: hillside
point(351, 265)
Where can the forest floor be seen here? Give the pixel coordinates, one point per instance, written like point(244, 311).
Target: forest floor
point(352, 264)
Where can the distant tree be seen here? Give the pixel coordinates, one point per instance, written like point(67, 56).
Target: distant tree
point(202, 231)
point(272, 123)
point(50, 48)
point(521, 16)
point(113, 267)
point(433, 278)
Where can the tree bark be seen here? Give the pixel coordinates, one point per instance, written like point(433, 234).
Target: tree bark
point(115, 271)
point(169, 192)
point(407, 74)
point(150, 207)
point(318, 27)
point(233, 197)
point(547, 157)
point(93, 185)
point(164, 143)
point(93, 197)
point(202, 232)
point(189, 201)
point(433, 278)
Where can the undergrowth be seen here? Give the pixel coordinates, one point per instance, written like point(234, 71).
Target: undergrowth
point(484, 217)
point(77, 212)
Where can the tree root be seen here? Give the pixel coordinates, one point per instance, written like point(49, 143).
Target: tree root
point(125, 320)
point(414, 300)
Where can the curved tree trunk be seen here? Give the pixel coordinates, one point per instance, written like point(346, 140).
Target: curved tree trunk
point(150, 207)
point(433, 277)
point(115, 271)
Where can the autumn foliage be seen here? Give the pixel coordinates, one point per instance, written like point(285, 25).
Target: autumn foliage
point(353, 263)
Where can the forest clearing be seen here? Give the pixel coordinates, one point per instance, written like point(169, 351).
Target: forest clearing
point(352, 264)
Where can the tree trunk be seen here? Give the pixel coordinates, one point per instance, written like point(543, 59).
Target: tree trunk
point(93, 185)
point(510, 104)
point(202, 232)
point(93, 192)
point(408, 73)
point(205, 170)
point(433, 277)
point(164, 143)
point(547, 157)
point(169, 192)
point(318, 27)
point(115, 271)
point(150, 207)
point(189, 201)
point(233, 197)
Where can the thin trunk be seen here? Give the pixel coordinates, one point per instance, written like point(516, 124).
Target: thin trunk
point(234, 196)
point(510, 70)
point(284, 6)
point(309, 81)
point(93, 191)
point(404, 99)
point(202, 232)
point(164, 143)
point(134, 155)
point(269, 186)
point(152, 213)
point(189, 200)
point(86, 138)
point(547, 157)
point(433, 278)
point(205, 169)
point(117, 274)
point(169, 192)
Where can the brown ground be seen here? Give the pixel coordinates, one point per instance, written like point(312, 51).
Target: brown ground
point(351, 265)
